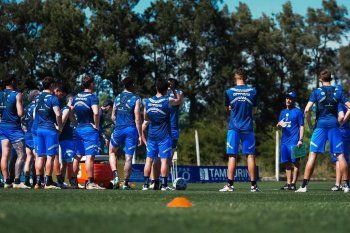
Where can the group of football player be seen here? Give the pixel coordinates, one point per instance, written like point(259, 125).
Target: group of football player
point(55, 130)
point(331, 107)
point(54, 121)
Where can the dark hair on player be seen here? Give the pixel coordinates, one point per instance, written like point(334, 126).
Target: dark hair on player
point(87, 80)
point(128, 82)
point(162, 86)
point(325, 76)
point(174, 81)
point(9, 80)
point(60, 86)
point(32, 94)
point(242, 73)
point(48, 82)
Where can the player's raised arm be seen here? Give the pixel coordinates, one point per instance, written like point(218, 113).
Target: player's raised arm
point(178, 100)
point(19, 105)
point(347, 114)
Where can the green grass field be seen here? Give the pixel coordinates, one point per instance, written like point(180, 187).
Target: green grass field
point(272, 210)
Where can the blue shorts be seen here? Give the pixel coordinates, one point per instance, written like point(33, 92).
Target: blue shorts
point(67, 150)
point(28, 138)
point(286, 153)
point(86, 141)
point(319, 138)
point(345, 134)
point(175, 133)
point(161, 148)
point(234, 138)
point(127, 137)
point(13, 134)
point(47, 142)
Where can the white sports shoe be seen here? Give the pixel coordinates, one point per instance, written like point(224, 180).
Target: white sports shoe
point(145, 187)
point(115, 183)
point(301, 190)
point(167, 188)
point(254, 189)
point(91, 186)
point(346, 189)
point(227, 188)
point(7, 186)
point(336, 188)
point(20, 186)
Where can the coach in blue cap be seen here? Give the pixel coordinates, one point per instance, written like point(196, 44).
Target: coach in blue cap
point(291, 120)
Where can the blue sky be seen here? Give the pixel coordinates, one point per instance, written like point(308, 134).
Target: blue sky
point(257, 7)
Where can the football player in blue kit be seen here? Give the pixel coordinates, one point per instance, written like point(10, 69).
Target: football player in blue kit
point(326, 98)
point(86, 110)
point(175, 131)
point(291, 120)
point(11, 133)
point(240, 105)
point(159, 142)
point(28, 137)
point(64, 163)
point(345, 135)
point(49, 117)
point(127, 117)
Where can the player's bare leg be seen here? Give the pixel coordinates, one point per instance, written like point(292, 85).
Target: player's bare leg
point(164, 171)
point(252, 173)
point(6, 150)
point(231, 168)
point(308, 171)
point(127, 171)
point(147, 172)
point(113, 162)
point(28, 165)
point(39, 171)
point(295, 175)
point(155, 173)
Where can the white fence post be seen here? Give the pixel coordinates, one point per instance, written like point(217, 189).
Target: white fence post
point(277, 155)
point(197, 148)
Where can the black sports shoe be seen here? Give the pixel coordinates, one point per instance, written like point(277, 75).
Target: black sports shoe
point(285, 187)
point(292, 187)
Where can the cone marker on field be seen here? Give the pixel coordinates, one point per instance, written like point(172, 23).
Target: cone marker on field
point(180, 202)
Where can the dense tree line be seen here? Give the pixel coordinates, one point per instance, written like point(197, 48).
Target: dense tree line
point(197, 41)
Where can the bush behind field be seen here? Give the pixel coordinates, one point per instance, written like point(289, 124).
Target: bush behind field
point(212, 141)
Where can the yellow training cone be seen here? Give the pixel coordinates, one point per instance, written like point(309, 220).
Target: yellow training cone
point(180, 202)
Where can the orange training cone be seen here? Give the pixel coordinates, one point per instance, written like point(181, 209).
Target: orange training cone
point(180, 202)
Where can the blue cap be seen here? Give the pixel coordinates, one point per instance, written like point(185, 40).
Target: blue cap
point(291, 95)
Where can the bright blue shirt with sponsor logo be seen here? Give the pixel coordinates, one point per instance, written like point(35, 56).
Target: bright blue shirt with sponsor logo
point(83, 103)
point(174, 111)
point(158, 111)
point(344, 109)
point(68, 128)
point(124, 105)
point(44, 110)
point(241, 100)
point(326, 100)
point(9, 117)
point(28, 117)
point(293, 119)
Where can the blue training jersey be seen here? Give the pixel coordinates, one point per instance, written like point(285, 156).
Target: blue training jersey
point(35, 118)
point(293, 118)
point(124, 105)
point(326, 100)
point(158, 111)
point(44, 110)
point(68, 128)
point(9, 115)
point(241, 99)
point(83, 103)
point(344, 109)
point(174, 111)
point(28, 117)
